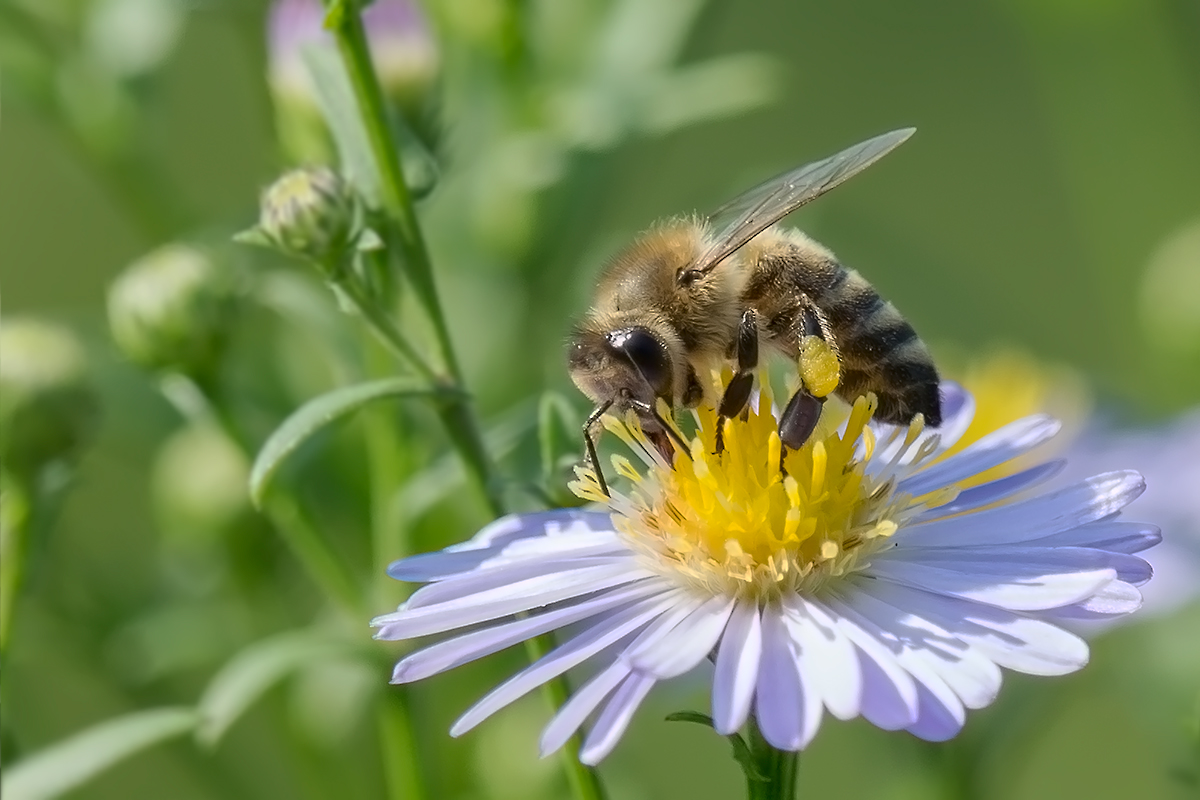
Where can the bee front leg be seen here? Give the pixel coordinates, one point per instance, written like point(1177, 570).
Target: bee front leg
point(737, 393)
point(592, 459)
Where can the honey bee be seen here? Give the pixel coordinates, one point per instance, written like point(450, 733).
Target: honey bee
point(694, 294)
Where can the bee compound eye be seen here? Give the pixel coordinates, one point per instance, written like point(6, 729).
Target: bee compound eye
point(647, 354)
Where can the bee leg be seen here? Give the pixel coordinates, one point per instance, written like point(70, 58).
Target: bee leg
point(592, 459)
point(649, 410)
point(799, 418)
point(737, 393)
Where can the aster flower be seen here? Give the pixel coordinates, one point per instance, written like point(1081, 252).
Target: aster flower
point(856, 580)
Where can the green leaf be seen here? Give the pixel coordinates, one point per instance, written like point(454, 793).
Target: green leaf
point(317, 414)
point(255, 670)
point(690, 716)
point(741, 751)
point(73, 762)
point(253, 236)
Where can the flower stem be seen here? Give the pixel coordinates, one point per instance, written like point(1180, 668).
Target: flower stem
point(15, 520)
point(776, 769)
point(345, 23)
point(401, 761)
point(585, 783)
point(384, 328)
point(460, 421)
point(346, 26)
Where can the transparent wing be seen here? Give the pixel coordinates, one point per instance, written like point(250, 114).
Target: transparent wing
point(752, 212)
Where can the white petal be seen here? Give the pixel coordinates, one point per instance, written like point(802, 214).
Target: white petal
point(1011, 640)
point(491, 539)
point(477, 644)
point(1016, 594)
point(1084, 502)
point(889, 698)
point(580, 704)
point(938, 707)
point(737, 669)
point(938, 718)
point(503, 601)
point(826, 657)
point(565, 656)
point(1029, 562)
point(482, 580)
point(1118, 537)
point(994, 491)
point(788, 715)
point(614, 719)
point(661, 628)
point(687, 644)
point(991, 450)
point(1115, 598)
point(971, 676)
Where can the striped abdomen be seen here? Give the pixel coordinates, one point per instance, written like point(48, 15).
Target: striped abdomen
point(880, 352)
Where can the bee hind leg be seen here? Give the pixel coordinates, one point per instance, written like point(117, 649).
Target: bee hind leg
point(737, 393)
point(819, 373)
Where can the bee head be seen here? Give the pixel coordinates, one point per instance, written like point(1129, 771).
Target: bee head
point(622, 364)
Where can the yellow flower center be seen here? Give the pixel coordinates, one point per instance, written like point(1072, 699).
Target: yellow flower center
point(754, 520)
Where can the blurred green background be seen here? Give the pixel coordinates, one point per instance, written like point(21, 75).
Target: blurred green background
point(1049, 200)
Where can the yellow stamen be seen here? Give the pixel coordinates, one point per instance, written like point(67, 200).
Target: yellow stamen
point(736, 523)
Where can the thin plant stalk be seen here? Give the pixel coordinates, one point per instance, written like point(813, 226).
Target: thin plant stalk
point(345, 23)
point(460, 421)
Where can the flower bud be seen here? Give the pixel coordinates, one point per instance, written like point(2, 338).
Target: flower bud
point(199, 485)
point(309, 213)
point(48, 408)
point(171, 310)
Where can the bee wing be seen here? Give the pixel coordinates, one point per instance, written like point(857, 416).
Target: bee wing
point(752, 212)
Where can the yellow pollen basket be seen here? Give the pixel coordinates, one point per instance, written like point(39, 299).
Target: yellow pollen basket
point(738, 524)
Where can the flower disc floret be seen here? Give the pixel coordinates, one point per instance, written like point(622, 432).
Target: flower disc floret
point(755, 520)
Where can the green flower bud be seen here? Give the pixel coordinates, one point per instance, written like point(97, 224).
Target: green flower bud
point(310, 213)
point(199, 485)
point(171, 310)
point(48, 409)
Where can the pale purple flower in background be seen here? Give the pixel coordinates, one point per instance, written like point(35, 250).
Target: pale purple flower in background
point(860, 581)
point(1167, 456)
point(402, 45)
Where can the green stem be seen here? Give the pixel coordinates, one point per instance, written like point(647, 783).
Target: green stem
point(461, 424)
point(345, 23)
point(585, 783)
point(401, 761)
point(14, 550)
point(776, 769)
point(310, 549)
point(385, 329)
point(403, 774)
